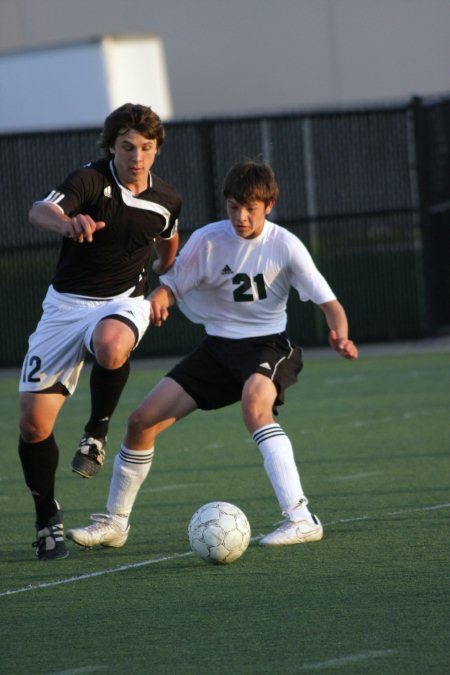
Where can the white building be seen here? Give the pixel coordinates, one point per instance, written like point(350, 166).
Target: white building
point(78, 84)
point(244, 56)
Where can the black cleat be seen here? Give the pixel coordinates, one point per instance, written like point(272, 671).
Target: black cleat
point(89, 456)
point(50, 543)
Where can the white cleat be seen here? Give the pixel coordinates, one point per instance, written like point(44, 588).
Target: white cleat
point(299, 532)
point(104, 531)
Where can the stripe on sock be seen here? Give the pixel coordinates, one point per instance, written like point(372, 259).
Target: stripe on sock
point(280, 466)
point(136, 456)
point(270, 431)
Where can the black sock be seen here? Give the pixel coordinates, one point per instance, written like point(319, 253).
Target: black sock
point(39, 463)
point(106, 388)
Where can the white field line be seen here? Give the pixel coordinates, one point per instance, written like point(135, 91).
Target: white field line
point(354, 476)
point(320, 665)
point(174, 556)
point(351, 658)
point(83, 669)
point(407, 415)
point(91, 575)
point(355, 519)
point(168, 488)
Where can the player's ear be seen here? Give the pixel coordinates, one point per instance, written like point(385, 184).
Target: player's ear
point(269, 207)
point(112, 151)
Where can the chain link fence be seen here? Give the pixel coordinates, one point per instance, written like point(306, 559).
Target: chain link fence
point(367, 191)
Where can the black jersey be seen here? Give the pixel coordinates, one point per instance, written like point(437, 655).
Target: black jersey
point(119, 255)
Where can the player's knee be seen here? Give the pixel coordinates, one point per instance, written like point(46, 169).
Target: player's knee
point(136, 424)
point(33, 431)
point(110, 356)
point(255, 417)
point(139, 431)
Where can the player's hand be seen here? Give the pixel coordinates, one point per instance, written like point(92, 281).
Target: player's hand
point(81, 228)
point(343, 346)
point(158, 312)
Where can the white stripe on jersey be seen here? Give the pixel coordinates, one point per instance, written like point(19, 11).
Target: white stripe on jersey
point(54, 197)
point(130, 200)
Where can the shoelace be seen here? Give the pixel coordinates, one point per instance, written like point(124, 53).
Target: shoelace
point(101, 522)
point(94, 450)
point(285, 526)
point(288, 523)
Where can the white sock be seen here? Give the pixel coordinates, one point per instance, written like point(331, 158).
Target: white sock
point(131, 468)
point(280, 467)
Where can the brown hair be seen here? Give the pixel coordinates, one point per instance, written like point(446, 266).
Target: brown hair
point(250, 181)
point(131, 116)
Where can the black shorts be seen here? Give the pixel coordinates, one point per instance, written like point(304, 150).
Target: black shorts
point(215, 372)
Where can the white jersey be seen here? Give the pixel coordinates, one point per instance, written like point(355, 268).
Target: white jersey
point(239, 288)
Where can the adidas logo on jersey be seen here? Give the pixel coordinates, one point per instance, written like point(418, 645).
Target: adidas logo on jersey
point(265, 365)
point(107, 192)
point(227, 270)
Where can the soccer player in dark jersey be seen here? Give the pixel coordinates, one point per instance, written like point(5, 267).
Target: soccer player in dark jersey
point(112, 214)
point(234, 277)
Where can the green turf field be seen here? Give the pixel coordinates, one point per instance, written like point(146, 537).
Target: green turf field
point(372, 443)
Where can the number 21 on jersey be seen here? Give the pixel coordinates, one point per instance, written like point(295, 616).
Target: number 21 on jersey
point(244, 290)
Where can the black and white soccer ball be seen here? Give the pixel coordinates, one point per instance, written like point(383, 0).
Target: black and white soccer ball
point(219, 532)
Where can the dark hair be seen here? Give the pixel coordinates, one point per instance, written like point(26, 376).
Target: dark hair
point(131, 116)
point(250, 181)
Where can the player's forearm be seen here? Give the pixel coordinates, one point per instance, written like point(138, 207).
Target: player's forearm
point(49, 217)
point(167, 250)
point(336, 317)
point(338, 335)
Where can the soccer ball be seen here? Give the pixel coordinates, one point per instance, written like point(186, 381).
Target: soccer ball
point(219, 532)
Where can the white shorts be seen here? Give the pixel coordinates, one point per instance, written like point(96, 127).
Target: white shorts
point(57, 348)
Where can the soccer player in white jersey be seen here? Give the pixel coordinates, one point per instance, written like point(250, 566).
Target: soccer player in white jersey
point(111, 215)
point(234, 277)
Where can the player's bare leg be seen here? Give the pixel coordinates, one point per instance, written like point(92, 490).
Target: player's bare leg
point(165, 404)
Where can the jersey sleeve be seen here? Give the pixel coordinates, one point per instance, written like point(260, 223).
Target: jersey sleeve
point(187, 271)
point(172, 227)
point(75, 193)
point(168, 203)
point(305, 277)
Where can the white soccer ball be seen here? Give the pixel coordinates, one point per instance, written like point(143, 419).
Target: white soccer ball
point(219, 532)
